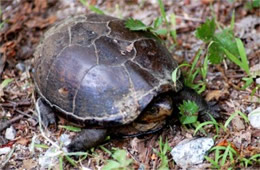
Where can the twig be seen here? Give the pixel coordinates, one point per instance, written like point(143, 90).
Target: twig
point(8, 158)
point(9, 122)
point(12, 104)
point(189, 18)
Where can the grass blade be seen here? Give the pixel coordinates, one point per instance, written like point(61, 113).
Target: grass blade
point(242, 53)
point(162, 11)
point(224, 158)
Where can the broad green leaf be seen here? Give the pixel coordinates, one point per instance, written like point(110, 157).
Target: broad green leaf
point(215, 53)
point(189, 112)
point(188, 119)
point(120, 155)
point(226, 40)
point(206, 31)
point(135, 25)
point(111, 165)
point(160, 31)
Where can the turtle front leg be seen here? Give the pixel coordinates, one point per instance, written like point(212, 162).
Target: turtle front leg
point(87, 139)
point(205, 108)
point(47, 115)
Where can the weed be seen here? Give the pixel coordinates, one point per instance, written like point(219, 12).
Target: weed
point(120, 161)
point(162, 153)
point(188, 112)
point(92, 7)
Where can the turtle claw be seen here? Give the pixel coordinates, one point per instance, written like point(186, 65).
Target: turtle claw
point(47, 115)
point(87, 139)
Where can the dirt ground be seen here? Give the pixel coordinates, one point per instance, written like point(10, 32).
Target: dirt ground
point(25, 21)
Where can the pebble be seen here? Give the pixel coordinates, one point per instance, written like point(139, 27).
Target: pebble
point(10, 133)
point(191, 152)
point(65, 139)
point(20, 66)
point(49, 159)
point(257, 81)
point(5, 150)
point(254, 118)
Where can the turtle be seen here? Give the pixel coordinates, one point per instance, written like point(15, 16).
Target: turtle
point(96, 73)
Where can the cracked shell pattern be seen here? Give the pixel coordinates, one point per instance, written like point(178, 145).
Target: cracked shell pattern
point(95, 71)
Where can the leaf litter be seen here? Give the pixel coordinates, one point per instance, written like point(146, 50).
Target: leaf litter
point(23, 24)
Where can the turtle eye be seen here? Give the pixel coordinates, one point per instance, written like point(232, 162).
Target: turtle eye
point(154, 110)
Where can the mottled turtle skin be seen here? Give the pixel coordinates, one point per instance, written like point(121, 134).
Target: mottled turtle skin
point(97, 73)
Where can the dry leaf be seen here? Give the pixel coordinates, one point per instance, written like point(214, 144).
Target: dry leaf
point(29, 164)
point(23, 141)
point(215, 94)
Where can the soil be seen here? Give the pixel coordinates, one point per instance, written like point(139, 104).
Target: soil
point(25, 21)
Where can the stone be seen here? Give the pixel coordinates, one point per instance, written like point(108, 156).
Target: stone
point(5, 150)
point(10, 133)
point(191, 152)
point(254, 118)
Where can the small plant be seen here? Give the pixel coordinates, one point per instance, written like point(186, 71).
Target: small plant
point(162, 153)
point(223, 44)
point(236, 113)
point(253, 4)
point(188, 112)
point(245, 162)
point(120, 161)
point(223, 155)
point(194, 72)
point(211, 122)
point(159, 27)
point(227, 156)
point(92, 7)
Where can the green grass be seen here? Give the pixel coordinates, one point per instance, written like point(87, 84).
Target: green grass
point(164, 148)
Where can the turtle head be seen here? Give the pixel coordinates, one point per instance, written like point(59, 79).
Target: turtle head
point(158, 109)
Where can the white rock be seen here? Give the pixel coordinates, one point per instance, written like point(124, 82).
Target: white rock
point(254, 118)
point(10, 133)
point(65, 139)
point(191, 152)
point(50, 158)
point(5, 150)
point(257, 81)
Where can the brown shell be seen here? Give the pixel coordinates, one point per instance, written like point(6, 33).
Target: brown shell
point(95, 71)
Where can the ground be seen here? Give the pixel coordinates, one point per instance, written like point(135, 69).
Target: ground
point(24, 22)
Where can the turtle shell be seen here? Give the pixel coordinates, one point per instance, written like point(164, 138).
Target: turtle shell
point(97, 72)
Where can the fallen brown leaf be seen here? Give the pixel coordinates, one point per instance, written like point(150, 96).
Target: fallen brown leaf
point(215, 94)
point(23, 141)
point(29, 164)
